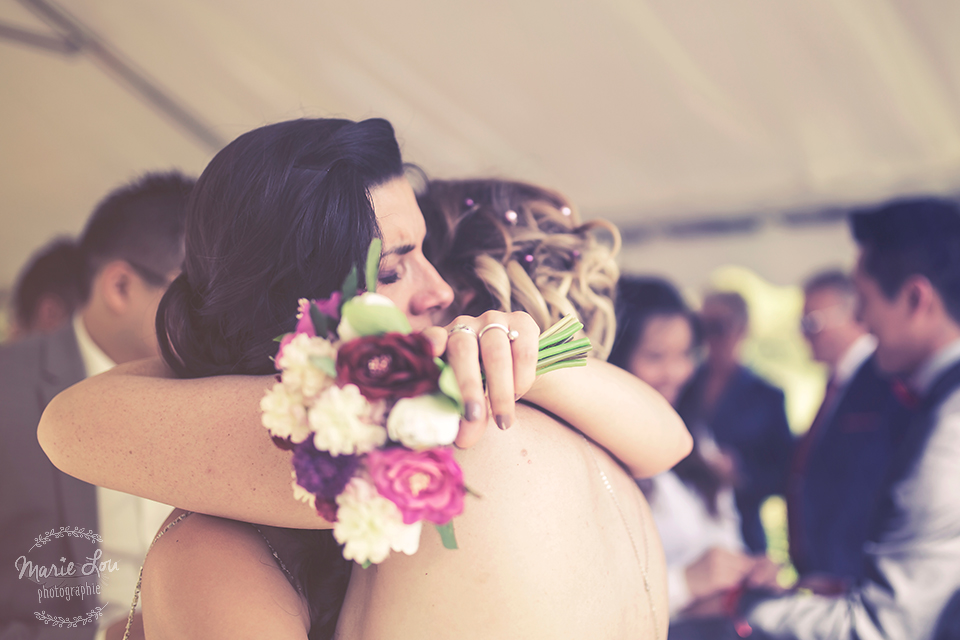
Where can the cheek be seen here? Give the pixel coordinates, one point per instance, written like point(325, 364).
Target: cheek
point(651, 372)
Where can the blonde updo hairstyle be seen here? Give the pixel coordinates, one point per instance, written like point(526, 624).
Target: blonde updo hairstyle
point(512, 246)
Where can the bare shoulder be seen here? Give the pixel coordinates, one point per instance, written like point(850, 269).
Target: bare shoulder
point(209, 577)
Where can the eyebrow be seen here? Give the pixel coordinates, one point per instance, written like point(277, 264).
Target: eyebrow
point(399, 251)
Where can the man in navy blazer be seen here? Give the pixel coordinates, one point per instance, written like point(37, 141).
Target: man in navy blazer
point(839, 465)
point(728, 404)
point(131, 248)
point(908, 290)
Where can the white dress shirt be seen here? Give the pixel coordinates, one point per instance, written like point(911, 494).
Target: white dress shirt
point(127, 523)
point(687, 530)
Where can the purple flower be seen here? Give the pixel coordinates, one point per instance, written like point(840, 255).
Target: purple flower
point(321, 474)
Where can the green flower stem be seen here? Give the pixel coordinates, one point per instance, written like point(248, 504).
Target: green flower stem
point(566, 364)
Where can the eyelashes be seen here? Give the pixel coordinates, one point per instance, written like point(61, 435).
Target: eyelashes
point(388, 277)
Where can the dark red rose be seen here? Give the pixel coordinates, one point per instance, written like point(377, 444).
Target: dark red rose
point(394, 365)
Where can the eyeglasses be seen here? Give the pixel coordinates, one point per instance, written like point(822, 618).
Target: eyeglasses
point(816, 321)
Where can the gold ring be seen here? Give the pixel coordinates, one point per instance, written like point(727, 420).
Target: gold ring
point(512, 334)
point(463, 328)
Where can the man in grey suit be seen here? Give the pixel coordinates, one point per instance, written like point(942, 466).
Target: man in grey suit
point(908, 285)
point(131, 249)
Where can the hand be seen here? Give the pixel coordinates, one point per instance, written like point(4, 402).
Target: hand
point(764, 574)
point(509, 367)
point(717, 570)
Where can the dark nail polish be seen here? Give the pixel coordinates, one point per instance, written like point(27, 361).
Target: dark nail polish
point(503, 422)
point(473, 411)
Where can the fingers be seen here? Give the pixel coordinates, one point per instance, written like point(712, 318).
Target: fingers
point(497, 356)
point(525, 352)
point(508, 365)
point(438, 339)
point(463, 356)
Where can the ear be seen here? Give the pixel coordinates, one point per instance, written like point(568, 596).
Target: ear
point(114, 284)
point(919, 295)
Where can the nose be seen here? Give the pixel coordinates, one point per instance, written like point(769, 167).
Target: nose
point(434, 294)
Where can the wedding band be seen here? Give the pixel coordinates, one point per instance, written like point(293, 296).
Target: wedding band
point(512, 334)
point(465, 329)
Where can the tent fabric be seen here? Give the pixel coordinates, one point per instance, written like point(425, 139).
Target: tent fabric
point(639, 110)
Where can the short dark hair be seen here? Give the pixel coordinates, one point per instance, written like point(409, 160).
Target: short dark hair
point(55, 269)
point(639, 300)
point(912, 236)
point(141, 223)
point(834, 279)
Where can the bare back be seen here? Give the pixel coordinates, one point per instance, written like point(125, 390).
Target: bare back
point(547, 552)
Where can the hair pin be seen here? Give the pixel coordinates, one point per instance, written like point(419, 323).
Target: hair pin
point(511, 216)
point(565, 211)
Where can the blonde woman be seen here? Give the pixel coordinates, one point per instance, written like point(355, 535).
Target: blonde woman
point(558, 547)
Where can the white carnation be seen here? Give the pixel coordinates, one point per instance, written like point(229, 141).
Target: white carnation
point(297, 372)
point(284, 414)
point(342, 424)
point(423, 422)
point(369, 525)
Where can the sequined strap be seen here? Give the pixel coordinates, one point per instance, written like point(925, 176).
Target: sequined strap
point(136, 592)
point(180, 518)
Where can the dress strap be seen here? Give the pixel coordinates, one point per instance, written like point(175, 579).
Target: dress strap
point(136, 592)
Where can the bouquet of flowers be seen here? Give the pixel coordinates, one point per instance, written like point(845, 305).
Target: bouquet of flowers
point(370, 415)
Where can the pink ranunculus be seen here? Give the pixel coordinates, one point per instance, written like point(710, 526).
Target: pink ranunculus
point(425, 485)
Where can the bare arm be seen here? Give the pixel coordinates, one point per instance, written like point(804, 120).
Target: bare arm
point(619, 412)
point(196, 444)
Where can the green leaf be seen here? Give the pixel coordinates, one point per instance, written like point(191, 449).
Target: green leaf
point(322, 323)
point(447, 536)
point(349, 288)
point(374, 319)
point(366, 564)
point(373, 264)
point(279, 338)
point(449, 386)
point(327, 365)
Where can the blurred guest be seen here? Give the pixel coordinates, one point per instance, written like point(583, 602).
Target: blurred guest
point(908, 287)
point(840, 463)
point(132, 248)
point(727, 403)
point(693, 504)
point(48, 290)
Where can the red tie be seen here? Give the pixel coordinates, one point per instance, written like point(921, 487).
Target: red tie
point(799, 466)
point(905, 394)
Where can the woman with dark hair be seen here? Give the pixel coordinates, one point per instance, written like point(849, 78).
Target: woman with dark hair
point(282, 213)
point(693, 504)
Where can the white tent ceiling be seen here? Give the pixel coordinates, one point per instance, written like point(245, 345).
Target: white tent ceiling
point(640, 110)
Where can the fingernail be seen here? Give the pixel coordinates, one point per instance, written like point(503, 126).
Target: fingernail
point(473, 411)
point(503, 422)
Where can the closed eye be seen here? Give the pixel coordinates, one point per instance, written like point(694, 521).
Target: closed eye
point(388, 277)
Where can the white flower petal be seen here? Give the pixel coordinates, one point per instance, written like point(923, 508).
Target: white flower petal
point(283, 413)
point(342, 423)
point(369, 525)
point(423, 422)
